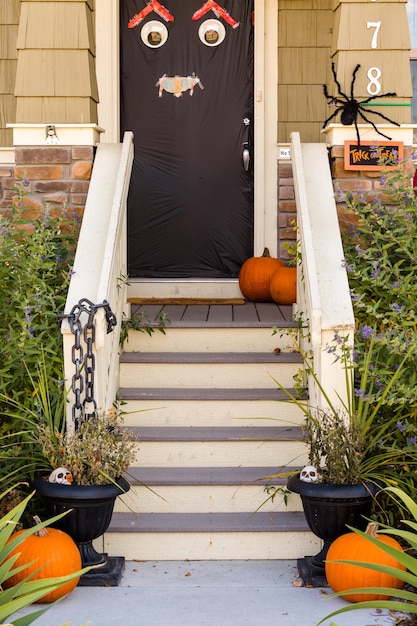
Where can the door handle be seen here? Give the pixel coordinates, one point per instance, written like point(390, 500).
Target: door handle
point(245, 144)
point(246, 158)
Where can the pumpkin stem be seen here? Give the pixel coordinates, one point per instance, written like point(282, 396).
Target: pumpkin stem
point(266, 252)
point(372, 529)
point(43, 532)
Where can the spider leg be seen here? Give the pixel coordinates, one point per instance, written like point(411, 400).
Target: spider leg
point(352, 97)
point(373, 125)
point(335, 101)
point(384, 117)
point(339, 88)
point(357, 131)
point(332, 116)
point(390, 94)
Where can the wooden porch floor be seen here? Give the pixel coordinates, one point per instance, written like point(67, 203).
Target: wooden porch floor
point(247, 315)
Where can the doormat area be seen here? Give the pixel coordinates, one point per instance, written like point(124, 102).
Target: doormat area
point(186, 301)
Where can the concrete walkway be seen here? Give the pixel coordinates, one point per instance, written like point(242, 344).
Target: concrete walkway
point(204, 593)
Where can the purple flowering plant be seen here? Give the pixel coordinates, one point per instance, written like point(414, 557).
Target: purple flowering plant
point(37, 248)
point(380, 256)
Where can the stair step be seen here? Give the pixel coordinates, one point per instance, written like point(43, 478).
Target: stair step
point(213, 339)
point(201, 394)
point(209, 536)
point(249, 452)
point(212, 370)
point(203, 476)
point(206, 489)
point(209, 357)
point(207, 522)
point(248, 315)
point(207, 434)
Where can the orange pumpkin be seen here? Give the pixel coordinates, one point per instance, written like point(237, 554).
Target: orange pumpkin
point(52, 550)
point(283, 286)
point(354, 547)
point(255, 276)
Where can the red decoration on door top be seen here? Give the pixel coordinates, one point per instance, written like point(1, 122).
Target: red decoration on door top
point(218, 11)
point(153, 5)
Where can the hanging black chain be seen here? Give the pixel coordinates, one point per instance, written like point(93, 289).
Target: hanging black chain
point(82, 383)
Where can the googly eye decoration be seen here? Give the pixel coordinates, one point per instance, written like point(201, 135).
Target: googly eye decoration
point(212, 33)
point(154, 34)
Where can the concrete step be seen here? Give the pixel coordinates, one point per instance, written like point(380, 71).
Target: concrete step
point(208, 407)
point(210, 447)
point(210, 339)
point(209, 536)
point(208, 370)
point(223, 489)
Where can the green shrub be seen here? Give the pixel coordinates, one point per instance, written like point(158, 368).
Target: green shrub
point(36, 256)
point(380, 257)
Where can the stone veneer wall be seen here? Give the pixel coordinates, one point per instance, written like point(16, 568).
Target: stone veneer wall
point(287, 212)
point(58, 176)
point(356, 182)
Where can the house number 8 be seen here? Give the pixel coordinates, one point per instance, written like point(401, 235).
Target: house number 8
point(374, 86)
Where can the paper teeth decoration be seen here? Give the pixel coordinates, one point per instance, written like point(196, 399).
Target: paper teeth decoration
point(61, 476)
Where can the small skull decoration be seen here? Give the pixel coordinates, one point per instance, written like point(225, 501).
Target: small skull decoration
point(309, 474)
point(61, 476)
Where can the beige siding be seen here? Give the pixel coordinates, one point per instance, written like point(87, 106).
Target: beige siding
point(55, 79)
point(351, 32)
point(61, 73)
point(304, 42)
point(9, 20)
point(383, 54)
point(56, 110)
point(48, 25)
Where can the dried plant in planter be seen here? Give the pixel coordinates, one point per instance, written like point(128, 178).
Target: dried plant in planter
point(336, 447)
point(98, 452)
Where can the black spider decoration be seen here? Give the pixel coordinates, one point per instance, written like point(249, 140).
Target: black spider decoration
point(350, 108)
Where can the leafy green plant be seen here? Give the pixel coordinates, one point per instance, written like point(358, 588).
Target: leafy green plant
point(347, 442)
point(99, 451)
point(139, 320)
point(36, 255)
point(380, 255)
point(402, 600)
point(27, 591)
point(44, 407)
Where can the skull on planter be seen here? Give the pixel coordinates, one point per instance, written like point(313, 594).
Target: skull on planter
point(309, 474)
point(61, 475)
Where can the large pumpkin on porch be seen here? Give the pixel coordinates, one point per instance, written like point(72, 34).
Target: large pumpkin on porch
point(354, 547)
point(283, 285)
point(255, 277)
point(52, 550)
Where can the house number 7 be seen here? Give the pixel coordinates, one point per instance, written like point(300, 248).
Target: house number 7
point(377, 26)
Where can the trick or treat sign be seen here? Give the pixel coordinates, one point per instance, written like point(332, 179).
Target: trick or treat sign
point(373, 155)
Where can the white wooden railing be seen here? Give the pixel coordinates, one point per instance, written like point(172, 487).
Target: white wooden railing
point(100, 267)
point(323, 298)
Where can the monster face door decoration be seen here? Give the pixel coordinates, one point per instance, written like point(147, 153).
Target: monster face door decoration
point(186, 91)
point(211, 32)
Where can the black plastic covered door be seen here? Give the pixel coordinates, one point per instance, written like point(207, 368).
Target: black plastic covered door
point(187, 94)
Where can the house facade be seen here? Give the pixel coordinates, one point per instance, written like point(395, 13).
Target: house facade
point(60, 91)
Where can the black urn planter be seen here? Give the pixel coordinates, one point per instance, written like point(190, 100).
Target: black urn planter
point(328, 510)
point(91, 509)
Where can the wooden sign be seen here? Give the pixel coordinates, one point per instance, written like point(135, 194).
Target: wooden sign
point(372, 155)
